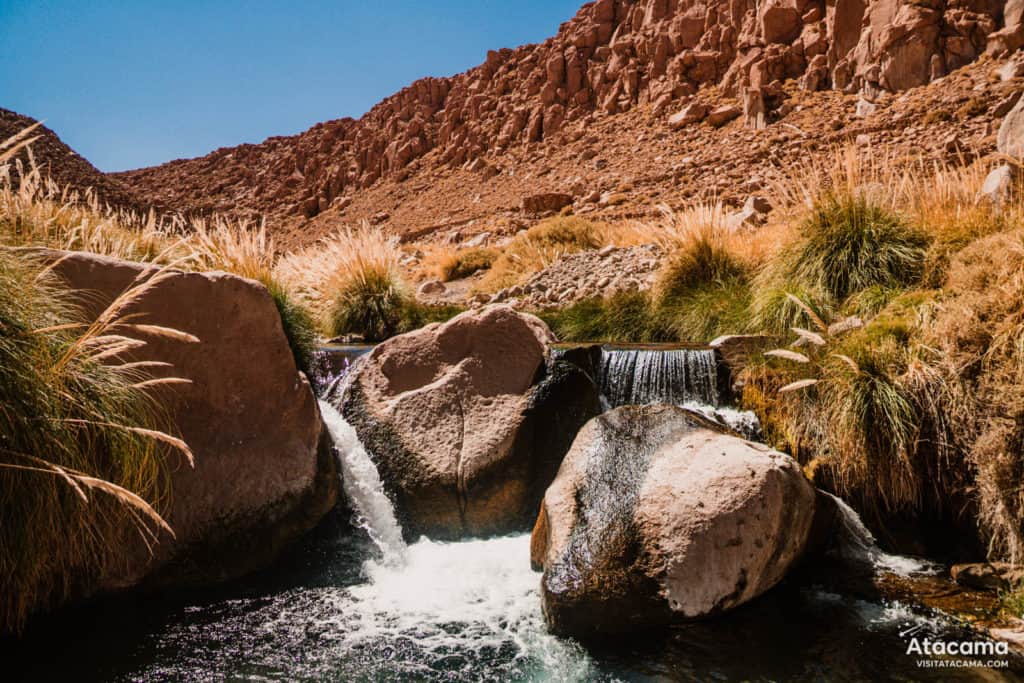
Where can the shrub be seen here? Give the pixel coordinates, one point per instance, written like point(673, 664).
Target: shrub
point(702, 290)
point(455, 265)
point(628, 317)
point(82, 462)
point(708, 311)
point(370, 305)
point(540, 246)
point(849, 243)
point(351, 280)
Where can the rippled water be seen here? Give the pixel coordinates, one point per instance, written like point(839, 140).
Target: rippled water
point(353, 602)
point(334, 611)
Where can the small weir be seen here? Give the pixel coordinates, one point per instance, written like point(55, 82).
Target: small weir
point(671, 376)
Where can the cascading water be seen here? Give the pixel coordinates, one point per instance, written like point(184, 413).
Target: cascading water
point(469, 611)
point(682, 377)
point(644, 376)
point(431, 606)
point(856, 543)
point(363, 487)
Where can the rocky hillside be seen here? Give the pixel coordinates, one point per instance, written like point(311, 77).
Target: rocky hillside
point(65, 166)
point(632, 101)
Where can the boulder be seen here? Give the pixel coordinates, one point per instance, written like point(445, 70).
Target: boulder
point(719, 116)
point(468, 420)
point(263, 473)
point(548, 201)
point(1011, 132)
point(656, 517)
point(691, 113)
point(431, 287)
point(988, 576)
point(780, 21)
point(998, 185)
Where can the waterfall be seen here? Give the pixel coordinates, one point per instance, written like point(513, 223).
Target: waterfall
point(645, 376)
point(857, 543)
point(376, 514)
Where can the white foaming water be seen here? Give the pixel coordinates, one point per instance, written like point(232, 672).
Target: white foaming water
point(860, 544)
point(475, 600)
point(364, 488)
point(743, 422)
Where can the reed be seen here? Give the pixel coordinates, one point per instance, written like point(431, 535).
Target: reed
point(83, 462)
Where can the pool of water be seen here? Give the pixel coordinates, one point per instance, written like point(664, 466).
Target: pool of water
point(335, 609)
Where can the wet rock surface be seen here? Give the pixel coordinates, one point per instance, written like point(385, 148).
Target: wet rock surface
point(468, 421)
point(654, 517)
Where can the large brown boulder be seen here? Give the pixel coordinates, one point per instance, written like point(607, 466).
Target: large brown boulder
point(655, 517)
point(262, 474)
point(468, 421)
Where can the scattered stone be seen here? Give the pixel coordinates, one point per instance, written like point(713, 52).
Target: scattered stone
point(720, 116)
point(998, 185)
point(477, 240)
point(431, 287)
point(544, 203)
point(613, 198)
point(986, 576)
point(691, 113)
point(1011, 133)
point(1005, 105)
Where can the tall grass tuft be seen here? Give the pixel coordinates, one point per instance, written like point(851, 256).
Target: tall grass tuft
point(454, 264)
point(248, 251)
point(850, 243)
point(539, 247)
point(353, 281)
point(83, 462)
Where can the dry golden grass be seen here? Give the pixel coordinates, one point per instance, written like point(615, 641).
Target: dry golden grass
point(350, 257)
point(82, 444)
point(447, 263)
point(539, 247)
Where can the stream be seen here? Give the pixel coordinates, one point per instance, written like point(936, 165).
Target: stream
point(354, 602)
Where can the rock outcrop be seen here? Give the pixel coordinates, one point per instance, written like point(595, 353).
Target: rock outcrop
point(468, 421)
point(263, 474)
point(63, 165)
point(654, 517)
point(613, 56)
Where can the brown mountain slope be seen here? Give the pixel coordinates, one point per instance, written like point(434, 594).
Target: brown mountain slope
point(65, 166)
point(589, 111)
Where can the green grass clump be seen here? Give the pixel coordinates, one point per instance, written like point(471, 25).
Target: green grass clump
point(376, 307)
point(371, 306)
point(702, 289)
point(849, 244)
point(82, 463)
point(710, 311)
point(627, 317)
point(298, 323)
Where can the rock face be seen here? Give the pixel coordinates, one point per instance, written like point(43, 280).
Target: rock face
point(262, 474)
point(63, 165)
point(613, 56)
point(654, 517)
point(468, 421)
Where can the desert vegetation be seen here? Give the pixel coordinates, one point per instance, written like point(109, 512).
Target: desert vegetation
point(82, 440)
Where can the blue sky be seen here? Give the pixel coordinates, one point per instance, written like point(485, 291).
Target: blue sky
point(131, 84)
